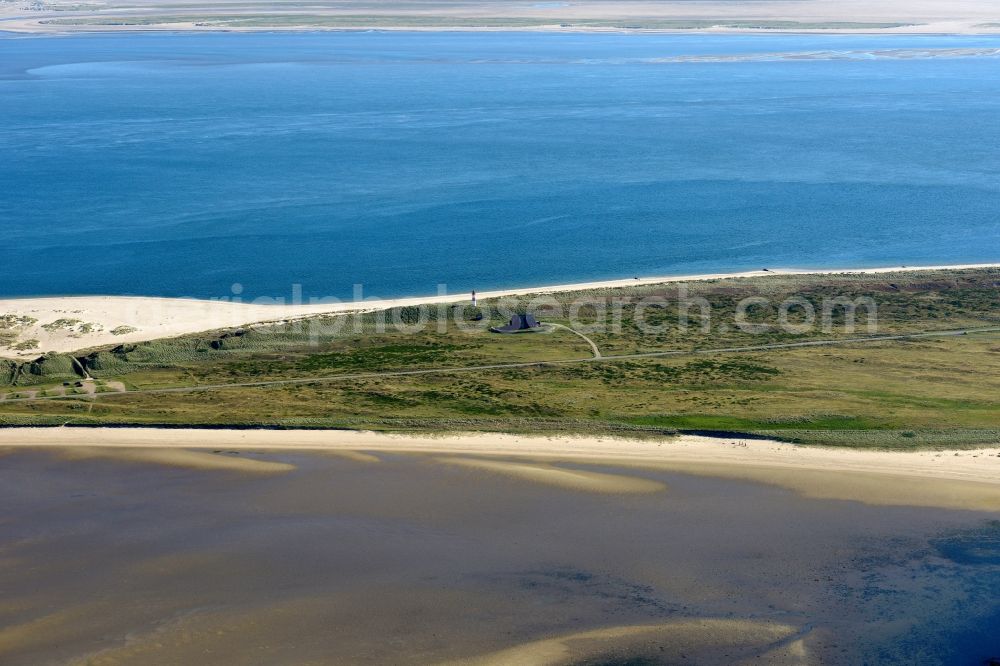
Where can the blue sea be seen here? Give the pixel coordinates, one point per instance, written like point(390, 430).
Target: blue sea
point(182, 164)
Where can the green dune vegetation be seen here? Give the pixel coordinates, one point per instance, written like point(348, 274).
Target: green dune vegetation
point(940, 388)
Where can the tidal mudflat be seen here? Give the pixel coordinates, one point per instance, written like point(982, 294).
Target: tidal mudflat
point(167, 557)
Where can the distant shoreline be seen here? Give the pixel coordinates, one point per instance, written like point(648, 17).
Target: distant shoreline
point(16, 29)
point(35, 25)
point(709, 17)
point(128, 319)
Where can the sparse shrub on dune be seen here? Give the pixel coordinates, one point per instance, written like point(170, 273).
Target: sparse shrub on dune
point(10, 321)
point(902, 394)
point(25, 345)
point(61, 324)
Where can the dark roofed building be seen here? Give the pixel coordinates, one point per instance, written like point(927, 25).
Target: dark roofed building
point(518, 324)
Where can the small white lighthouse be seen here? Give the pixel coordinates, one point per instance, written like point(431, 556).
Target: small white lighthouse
point(473, 298)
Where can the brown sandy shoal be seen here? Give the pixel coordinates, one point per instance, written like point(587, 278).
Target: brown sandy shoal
point(176, 457)
point(946, 479)
point(685, 639)
point(571, 479)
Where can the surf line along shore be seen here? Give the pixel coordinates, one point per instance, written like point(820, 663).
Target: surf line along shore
point(112, 320)
point(968, 479)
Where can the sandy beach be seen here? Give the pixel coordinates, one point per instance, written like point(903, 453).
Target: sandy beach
point(967, 479)
point(94, 321)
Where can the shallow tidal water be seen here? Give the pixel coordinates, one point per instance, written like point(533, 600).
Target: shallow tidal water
point(182, 164)
point(403, 559)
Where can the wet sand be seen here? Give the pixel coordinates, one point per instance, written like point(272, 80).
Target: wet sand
point(560, 477)
point(946, 479)
point(380, 556)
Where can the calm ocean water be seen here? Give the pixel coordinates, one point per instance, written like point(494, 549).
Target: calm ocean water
point(177, 165)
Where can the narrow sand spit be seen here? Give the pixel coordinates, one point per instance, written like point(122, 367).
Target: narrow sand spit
point(94, 321)
point(176, 458)
point(356, 456)
point(684, 639)
point(573, 479)
point(947, 479)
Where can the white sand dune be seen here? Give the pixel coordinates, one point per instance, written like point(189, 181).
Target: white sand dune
point(95, 321)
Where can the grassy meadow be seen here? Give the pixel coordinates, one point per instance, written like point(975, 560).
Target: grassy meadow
point(919, 392)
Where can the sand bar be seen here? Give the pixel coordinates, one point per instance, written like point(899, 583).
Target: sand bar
point(95, 321)
point(950, 479)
